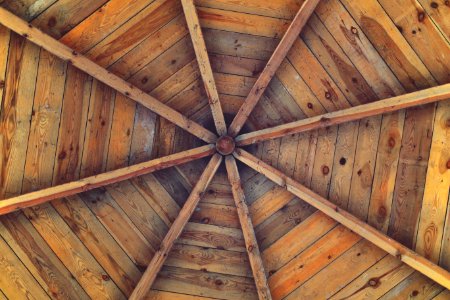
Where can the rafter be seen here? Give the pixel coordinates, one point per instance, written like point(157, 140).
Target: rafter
point(175, 230)
point(89, 183)
point(251, 243)
point(204, 64)
point(389, 245)
point(272, 66)
point(83, 63)
point(426, 96)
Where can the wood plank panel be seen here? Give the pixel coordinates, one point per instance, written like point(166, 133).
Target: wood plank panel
point(377, 280)
point(198, 283)
point(360, 257)
point(436, 194)
point(17, 282)
point(16, 108)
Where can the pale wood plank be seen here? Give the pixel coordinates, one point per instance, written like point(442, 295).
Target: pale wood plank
point(274, 62)
point(178, 225)
point(89, 183)
point(247, 228)
point(430, 95)
point(394, 248)
point(86, 65)
point(436, 193)
point(204, 64)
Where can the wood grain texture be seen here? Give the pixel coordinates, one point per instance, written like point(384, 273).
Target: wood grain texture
point(379, 239)
point(198, 41)
point(89, 183)
point(350, 114)
point(86, 65)
point(247, 228)
point(273, 64)
point(174, 232)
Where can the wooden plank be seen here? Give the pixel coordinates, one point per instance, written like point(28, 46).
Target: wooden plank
point(311, 261)
point(209, 260)
point(89, 183)
point(5, 35)
point(360, 257)
point(211, 236)
point(430, 95)
point(247, 228)
point(75, 256)
point(178, 225)
point(296, 241)
point(16, 110)
point(162, 295)
point(377, 280)
point(42, 140)
point(198, 41)
point(86, 65)
point(38, 258)
point(436, 194)
point(274, 62)
point(379, 239)
point(64, 15)
point(415, 285)
point(16, 281)
point(198, 283)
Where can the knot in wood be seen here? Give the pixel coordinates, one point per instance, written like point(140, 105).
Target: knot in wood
point(225, 145)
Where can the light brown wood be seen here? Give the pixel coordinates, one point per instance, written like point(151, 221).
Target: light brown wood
point(83, 63)
point(178, 225)
point(422, 97)
point(274, 62)
point(204, 64)
point(251, 243)
point(89, 183)
point(389, 245)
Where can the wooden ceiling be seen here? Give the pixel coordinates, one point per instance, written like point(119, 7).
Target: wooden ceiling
point(59, 124)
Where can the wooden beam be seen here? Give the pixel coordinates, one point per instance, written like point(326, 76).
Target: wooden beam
point(83, 63)
point(89, 183)
point(204, 64)
point(272, 66)
point(430, 95)
point(366, 231)
point(146, 282)
point(251, 243)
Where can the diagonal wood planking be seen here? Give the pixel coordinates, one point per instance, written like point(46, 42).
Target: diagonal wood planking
point(251, 243)
point(273, 64)
point(204, 65)
point(65, 53)
point(430, 95)
point(89, 183)
point(392, 247)
point(146, 282)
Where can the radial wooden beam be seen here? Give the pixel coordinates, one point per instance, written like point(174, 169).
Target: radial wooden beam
point(272, 66)
point(89, 183)
point(251, 243)
point(430, 95)
point(204, 64)
point(389, 245)
point(81, 62)
point(175, 230)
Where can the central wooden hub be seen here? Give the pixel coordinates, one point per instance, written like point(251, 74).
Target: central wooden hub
point(225, 145)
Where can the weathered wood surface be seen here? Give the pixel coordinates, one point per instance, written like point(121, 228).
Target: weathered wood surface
point(247, 228)
point(103, 179)
point(205, 66)
point(273, 64)
point(91, 68)
point(350, 114)
point(392, 247)
point(149, 276)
